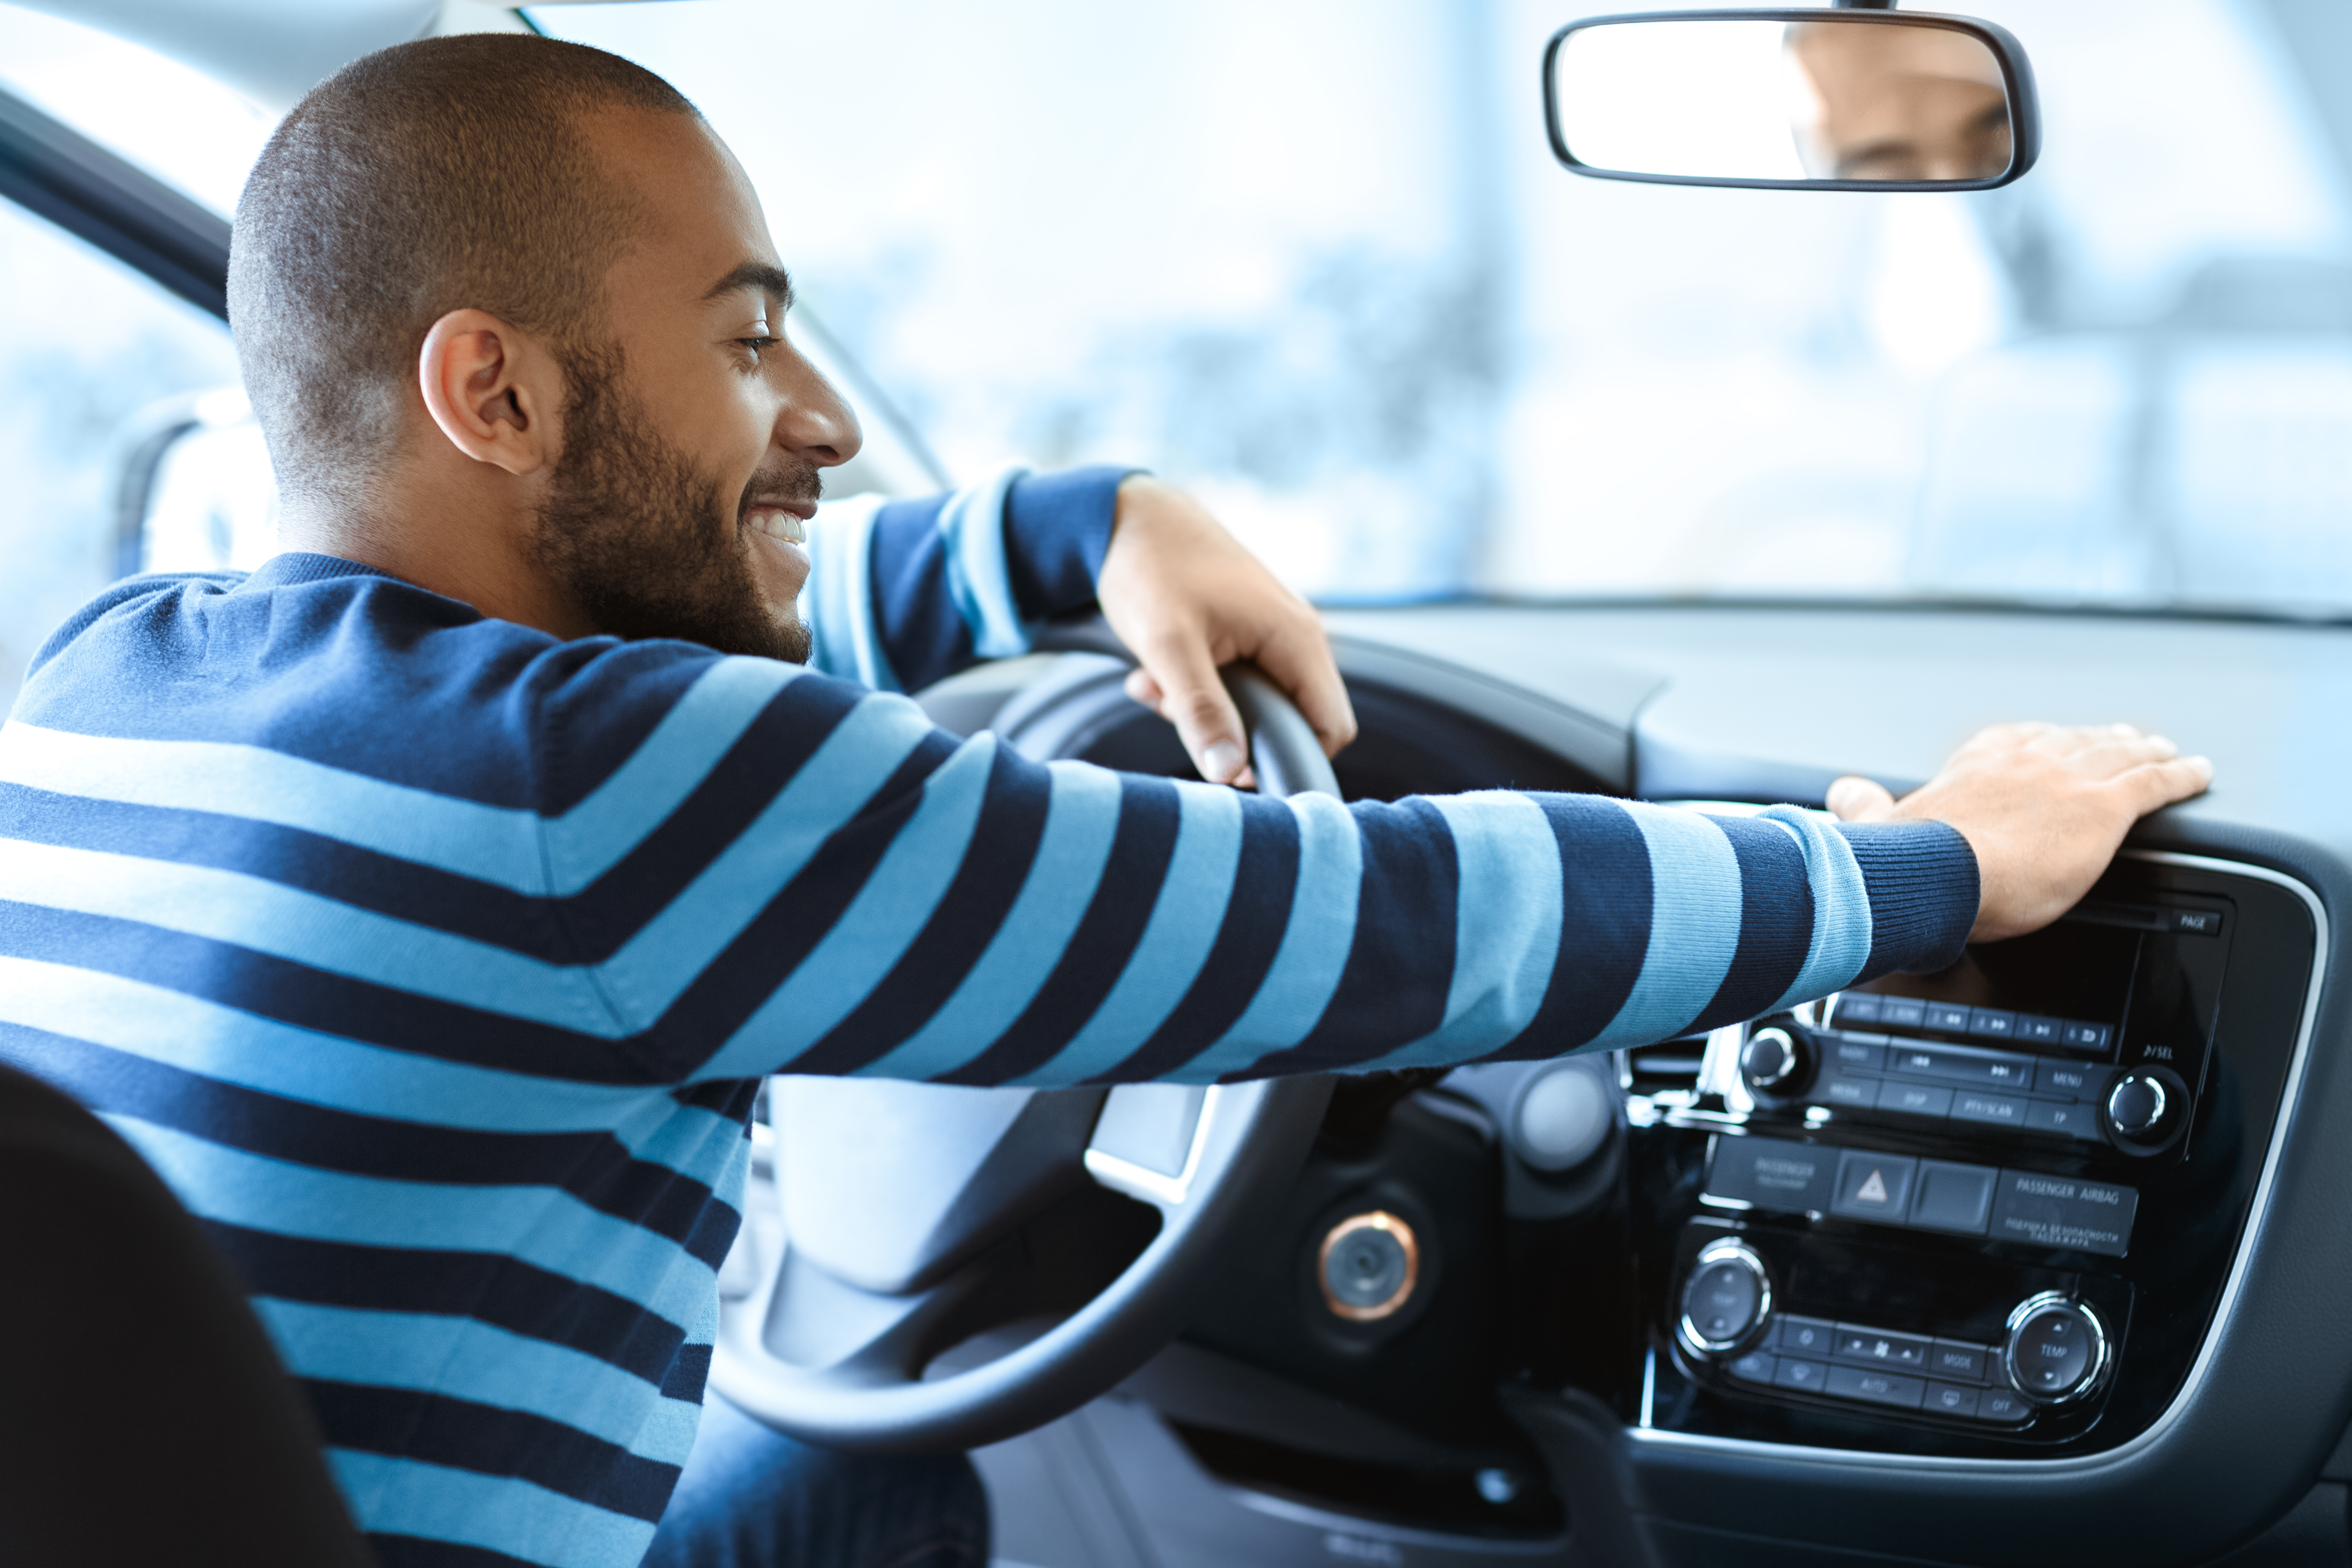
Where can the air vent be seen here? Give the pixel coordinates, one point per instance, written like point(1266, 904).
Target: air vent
point(1668, 1069)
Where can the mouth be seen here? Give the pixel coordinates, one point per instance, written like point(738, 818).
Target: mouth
point(784, 522)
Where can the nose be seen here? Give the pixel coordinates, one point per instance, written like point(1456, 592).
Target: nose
point(814, 424)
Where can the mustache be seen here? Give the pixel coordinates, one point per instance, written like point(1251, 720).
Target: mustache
point(802, 485)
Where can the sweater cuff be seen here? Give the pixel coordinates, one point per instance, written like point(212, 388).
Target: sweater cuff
point(1922, 881)
point(1056, 529)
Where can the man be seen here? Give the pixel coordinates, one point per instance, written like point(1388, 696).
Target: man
point(1900, 101)
point(426, 906)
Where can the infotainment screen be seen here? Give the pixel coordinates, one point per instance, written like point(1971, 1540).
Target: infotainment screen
point(2061, 990)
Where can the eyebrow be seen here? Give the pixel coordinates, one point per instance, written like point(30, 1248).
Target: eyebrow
point(772, 281)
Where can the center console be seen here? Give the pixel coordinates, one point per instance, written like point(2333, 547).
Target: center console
point(1990, 1212)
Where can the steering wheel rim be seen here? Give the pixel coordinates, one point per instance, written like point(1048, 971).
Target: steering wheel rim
point(857, 1380)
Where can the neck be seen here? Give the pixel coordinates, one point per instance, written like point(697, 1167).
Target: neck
point(469, 548)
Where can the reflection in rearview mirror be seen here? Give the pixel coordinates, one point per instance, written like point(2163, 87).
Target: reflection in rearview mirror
point(1824, 99)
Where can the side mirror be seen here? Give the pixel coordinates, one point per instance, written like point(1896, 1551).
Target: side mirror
point(1796, 100)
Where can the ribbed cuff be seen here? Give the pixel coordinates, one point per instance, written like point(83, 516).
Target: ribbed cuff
point(1922, 881)
point(1056, 529)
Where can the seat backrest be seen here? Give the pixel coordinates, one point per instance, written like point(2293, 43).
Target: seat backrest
point(144, 1418)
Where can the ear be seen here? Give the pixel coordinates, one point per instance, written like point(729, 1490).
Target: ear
point(492, 390)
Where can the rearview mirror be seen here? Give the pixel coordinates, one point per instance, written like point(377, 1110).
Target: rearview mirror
point(1812, 99)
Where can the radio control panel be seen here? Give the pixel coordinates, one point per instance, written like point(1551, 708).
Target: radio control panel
point(1987, 1211)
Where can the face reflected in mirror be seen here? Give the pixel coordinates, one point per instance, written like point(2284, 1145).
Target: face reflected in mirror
point(1896, 102)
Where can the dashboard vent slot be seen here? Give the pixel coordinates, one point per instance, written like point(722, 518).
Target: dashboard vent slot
point(1667, 1069)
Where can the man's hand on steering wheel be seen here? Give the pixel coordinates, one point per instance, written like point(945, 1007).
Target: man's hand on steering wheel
point(1186, 597)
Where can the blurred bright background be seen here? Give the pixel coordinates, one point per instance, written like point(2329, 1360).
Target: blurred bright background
point(1315, 260)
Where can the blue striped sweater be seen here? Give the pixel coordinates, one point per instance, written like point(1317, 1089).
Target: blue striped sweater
point(434, 961)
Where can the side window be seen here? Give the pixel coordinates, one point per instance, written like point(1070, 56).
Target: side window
point(98, 367)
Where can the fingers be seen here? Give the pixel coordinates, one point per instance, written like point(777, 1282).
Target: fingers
point(2154, 784)
point(1856, 799)
point(1300, 663)
point(1194, 700)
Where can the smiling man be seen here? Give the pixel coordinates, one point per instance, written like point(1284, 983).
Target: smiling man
point(427, 906)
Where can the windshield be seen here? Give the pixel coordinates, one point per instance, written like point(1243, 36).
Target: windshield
point(1315, 260)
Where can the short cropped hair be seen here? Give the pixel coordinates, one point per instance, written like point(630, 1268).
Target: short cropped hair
point(438, 175)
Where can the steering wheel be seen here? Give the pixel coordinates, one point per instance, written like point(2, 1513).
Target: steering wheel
point(925, 1218)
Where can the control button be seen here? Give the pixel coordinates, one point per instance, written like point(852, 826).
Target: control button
point(2086, 1036)
point(2136, 1104)
point(1846, 1093)
point(1960, 1361)
point(1727, 1296)
point(1914, 1098)
point(2004, 1407)
point(1877, 1347)
point(1769, 1059)
point(1772, 1174)
point(1961, 1066)
point(1856, 1007)
point(1992, 1024)
point(1951, 1197)
point(1805, 1376)
point(2072, 1079)
point(1874, 1186)
point(1856, 1054)
point(1878, 1388)
point(2056, 1349)
point(2196, 923)
point(1944, 1015)
point(1950, 1399)
point(1563, 1116)
point(2033, 1030)
point(2034, 1210)
point(1756, 1366)
point(1992, 1109)
point(1793, 1335)
point(1901, 1012)
point(2066, 1117)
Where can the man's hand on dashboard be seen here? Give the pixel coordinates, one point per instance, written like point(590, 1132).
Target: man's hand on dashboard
point(2045, 807)
point(1186, 597)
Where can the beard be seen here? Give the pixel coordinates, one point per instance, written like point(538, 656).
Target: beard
point(638, 537)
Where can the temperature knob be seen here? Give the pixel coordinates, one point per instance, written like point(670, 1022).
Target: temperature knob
point(1728, 1294)
point(2057, 1349)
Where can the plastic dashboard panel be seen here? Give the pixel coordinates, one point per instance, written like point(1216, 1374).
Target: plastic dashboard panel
point(1747, 703)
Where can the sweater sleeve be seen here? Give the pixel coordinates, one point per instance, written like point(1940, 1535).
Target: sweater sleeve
point(903, 593)
point(873, 896)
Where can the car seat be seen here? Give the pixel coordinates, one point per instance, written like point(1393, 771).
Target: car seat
point(144, 1418)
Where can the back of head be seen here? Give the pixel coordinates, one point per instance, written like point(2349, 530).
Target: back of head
point(432, 176)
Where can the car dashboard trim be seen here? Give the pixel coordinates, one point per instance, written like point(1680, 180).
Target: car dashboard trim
point(2191, 1386)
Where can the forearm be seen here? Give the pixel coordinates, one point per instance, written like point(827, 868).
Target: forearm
point(978, 919)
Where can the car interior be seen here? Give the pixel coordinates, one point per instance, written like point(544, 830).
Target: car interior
point(2034, 1260)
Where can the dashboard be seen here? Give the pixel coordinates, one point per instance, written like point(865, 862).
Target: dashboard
point(2032, 1260)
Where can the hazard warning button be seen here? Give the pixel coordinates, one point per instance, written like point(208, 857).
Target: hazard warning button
point(1874, 1186)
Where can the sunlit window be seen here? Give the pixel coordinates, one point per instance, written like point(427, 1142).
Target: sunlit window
point(1316, 260)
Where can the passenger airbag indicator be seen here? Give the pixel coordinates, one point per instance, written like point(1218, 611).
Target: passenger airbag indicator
point(2034, 1210)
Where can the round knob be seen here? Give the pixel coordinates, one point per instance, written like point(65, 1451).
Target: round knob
point(2057, 1349)
point(1368, 1266)
point(1562, 1117)
point(1769, 1059)
point(2138, 1104)
point(1728, 1294)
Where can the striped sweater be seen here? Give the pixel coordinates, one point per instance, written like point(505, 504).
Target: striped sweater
point(434, 961)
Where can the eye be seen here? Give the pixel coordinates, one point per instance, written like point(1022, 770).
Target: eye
point(759, 347)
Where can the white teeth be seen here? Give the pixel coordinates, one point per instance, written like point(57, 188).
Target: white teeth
point(779, 524)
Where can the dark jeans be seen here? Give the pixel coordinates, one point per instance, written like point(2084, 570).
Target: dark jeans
point(751, 1498)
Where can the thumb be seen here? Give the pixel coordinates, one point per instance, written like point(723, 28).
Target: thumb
point(1856, 799)
point(1195, 700)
